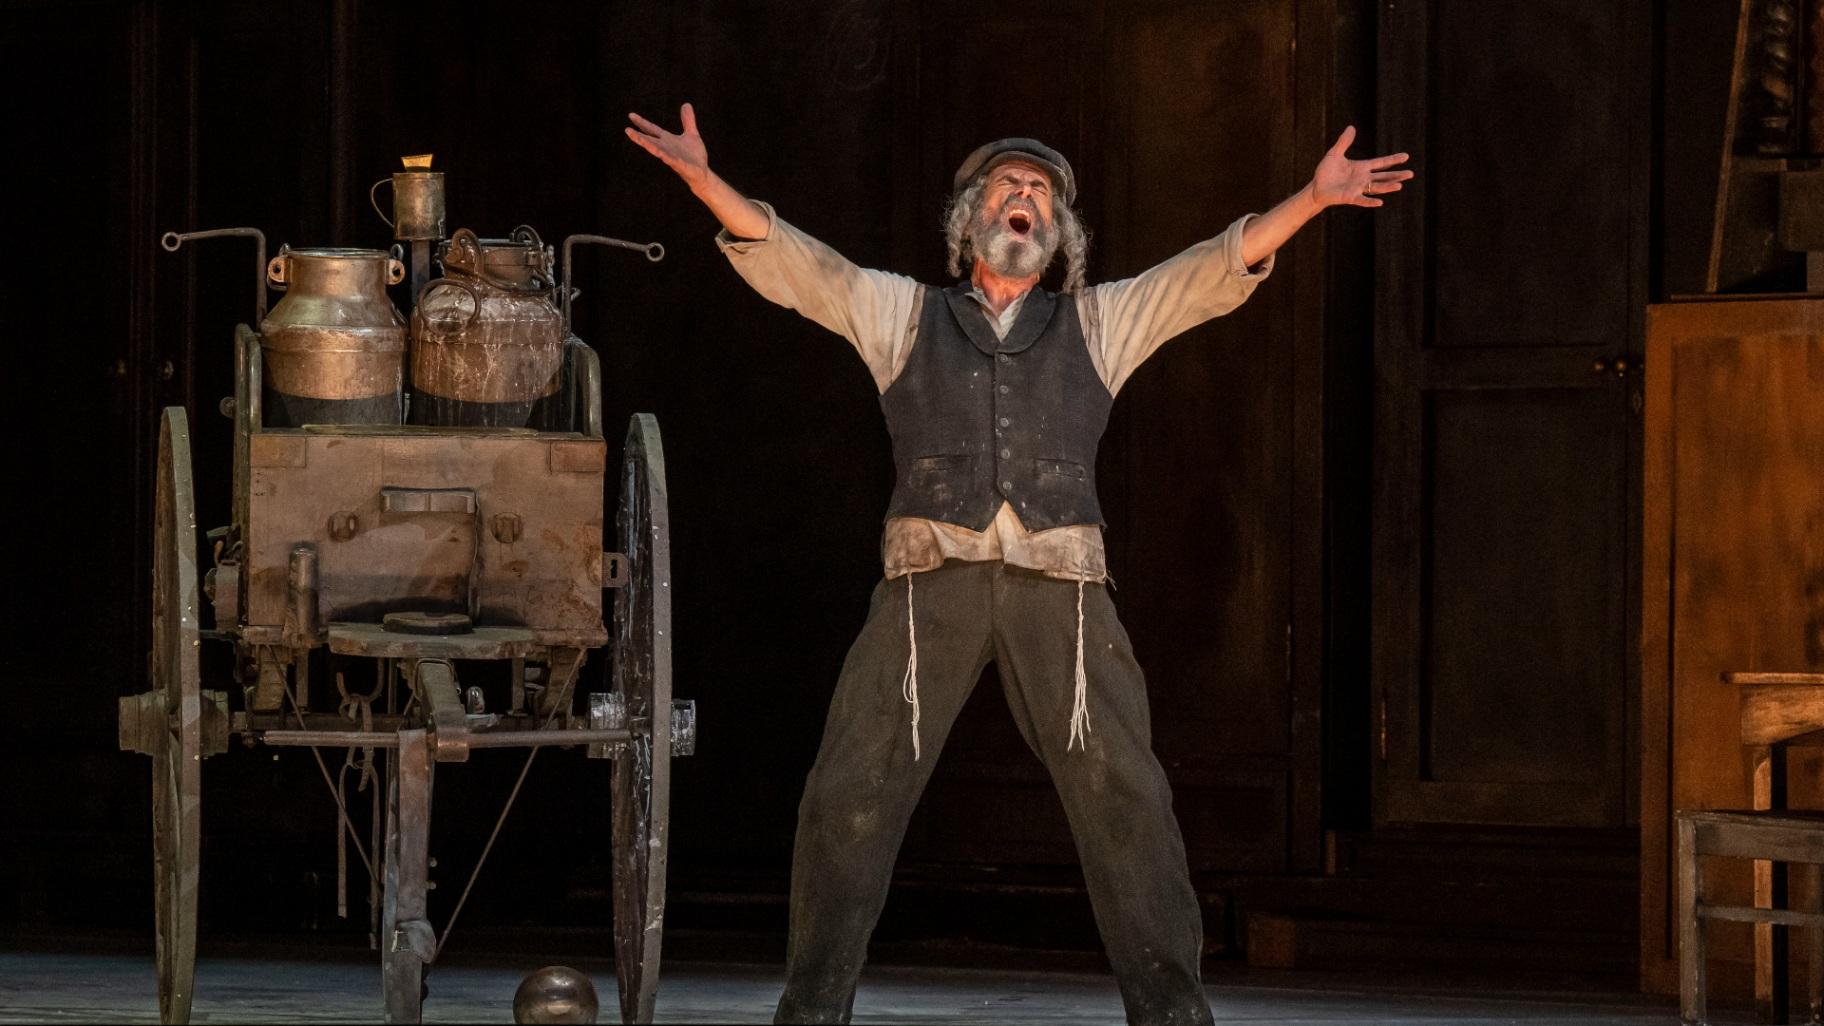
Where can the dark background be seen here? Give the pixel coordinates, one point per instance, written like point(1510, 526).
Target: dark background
point(1374, 533)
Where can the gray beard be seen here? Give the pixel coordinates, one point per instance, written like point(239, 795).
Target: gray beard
point(1009, 254)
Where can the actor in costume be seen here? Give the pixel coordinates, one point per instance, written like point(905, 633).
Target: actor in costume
point(996, 393)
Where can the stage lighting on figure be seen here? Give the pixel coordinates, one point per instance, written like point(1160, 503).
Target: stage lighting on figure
point(556, 993)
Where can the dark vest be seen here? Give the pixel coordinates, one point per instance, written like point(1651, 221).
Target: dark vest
point(976, 419)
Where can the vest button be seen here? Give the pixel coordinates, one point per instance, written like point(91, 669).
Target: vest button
point(1006, 454)
point(1006, 359)
point(1005, 422)
point(1004, 390)
point(1006, 486)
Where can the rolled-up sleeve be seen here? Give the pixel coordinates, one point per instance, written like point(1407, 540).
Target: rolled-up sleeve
point(1131, 318)
point(872, 309)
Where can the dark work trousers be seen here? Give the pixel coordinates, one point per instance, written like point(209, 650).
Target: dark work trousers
point(866, 782)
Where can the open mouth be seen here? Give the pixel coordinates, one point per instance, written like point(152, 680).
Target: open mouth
point(1020, 221)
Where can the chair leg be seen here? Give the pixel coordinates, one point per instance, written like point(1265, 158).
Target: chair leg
point(1690, 928)
point(1814, 942)
point(1772, 965)
point(1772, 946)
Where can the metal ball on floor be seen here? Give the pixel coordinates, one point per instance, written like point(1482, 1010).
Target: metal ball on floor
point(555, 994)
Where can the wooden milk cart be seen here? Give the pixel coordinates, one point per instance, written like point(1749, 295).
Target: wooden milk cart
point(371, 555)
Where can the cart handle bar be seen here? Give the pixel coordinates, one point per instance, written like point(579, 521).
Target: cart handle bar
point(172, 240)
point(653, 250)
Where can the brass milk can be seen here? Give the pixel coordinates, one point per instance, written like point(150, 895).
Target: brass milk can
point(488, 337)
point(334, 347)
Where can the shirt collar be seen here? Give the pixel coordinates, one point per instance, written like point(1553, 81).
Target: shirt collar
point(1004, 322)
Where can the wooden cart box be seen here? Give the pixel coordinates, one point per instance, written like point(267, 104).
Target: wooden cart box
point(415, 520)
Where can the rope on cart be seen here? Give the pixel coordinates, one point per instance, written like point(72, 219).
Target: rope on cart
point(262, 651)
point(563, 702)
point(356, 708)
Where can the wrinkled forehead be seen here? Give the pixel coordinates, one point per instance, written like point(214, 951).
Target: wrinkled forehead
point(1022, 171)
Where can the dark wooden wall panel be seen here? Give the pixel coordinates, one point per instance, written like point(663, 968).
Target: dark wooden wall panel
point(1697, 48)
point(1522, 676)
point(764, 407)
point(1345, 445)
point(1511, 278)
point(1205, 546)
point(87, 146)
point(1532, 212)
point(103, 88)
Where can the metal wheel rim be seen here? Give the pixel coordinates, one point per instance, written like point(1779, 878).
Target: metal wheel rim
point(177, 763)
point(642, 676)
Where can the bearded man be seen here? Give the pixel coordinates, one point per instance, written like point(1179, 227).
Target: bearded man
point(996, 393)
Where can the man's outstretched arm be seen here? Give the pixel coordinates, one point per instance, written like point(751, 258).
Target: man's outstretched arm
point(686, 154)
point(869, 308)
point(1137, 315)
point(1337, 181)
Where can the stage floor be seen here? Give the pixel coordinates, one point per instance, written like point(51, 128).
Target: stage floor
point(67, 987)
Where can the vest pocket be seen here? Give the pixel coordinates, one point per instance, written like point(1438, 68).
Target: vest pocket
point(1062, 468)
point(936, 487)
point(924, 463)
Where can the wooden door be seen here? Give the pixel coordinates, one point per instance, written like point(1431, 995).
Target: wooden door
point(1511, 279)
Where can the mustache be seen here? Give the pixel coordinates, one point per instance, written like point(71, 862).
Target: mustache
point(1011, 204)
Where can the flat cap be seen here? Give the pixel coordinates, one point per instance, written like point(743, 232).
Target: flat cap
point(1031, 151)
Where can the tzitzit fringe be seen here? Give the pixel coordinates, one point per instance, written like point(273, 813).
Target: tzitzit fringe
point(909, 686)
point(1079, 710)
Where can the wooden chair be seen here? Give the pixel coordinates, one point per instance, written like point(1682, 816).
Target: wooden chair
point(1779, 837)
point(1778, 710)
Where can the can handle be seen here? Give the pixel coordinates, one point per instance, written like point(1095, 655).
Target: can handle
point(373, 198)
point(278, 268)
point(425, 290)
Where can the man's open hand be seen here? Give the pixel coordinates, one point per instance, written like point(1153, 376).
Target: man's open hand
point(1356, 182)
point(683, 153)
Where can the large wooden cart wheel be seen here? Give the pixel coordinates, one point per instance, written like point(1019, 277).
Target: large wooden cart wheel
point(169, 720)
point(642, 677)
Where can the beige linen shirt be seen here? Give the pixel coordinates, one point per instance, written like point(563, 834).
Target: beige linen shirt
point(1124, 322)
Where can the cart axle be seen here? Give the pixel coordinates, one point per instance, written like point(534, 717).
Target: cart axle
point(490, 739)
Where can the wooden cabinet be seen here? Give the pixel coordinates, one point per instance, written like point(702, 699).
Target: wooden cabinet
point(1732, 575)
